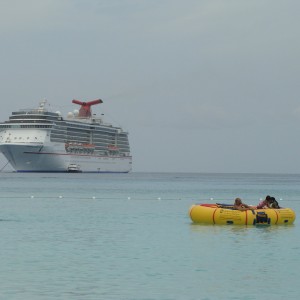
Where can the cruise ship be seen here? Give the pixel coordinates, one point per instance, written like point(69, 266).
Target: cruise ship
point(38, 140)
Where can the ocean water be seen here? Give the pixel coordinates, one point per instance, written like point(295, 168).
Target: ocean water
point(129, 236)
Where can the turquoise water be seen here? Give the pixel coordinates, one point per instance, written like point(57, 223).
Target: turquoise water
point(129, 236)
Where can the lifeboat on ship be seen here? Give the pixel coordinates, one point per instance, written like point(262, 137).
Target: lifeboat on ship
point(225, 214)
point(79, 148)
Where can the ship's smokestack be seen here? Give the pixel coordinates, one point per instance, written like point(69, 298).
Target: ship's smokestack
point(85, 109)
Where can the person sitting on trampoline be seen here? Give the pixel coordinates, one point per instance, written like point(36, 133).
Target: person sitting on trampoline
point(239, 205)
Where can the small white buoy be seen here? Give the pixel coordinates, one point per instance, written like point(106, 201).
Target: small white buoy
point(94, 197)
point(280, 199)
point(60, 197)
point(128, 198)
point(158, 198)
point(31, 196)
point(211, 199)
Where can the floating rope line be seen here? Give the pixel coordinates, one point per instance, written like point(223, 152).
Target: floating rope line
point(135, 198)
point(91, 197)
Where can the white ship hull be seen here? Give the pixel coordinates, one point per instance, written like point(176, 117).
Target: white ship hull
point(39, 158)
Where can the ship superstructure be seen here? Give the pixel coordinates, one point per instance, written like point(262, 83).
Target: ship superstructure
point(38, 140)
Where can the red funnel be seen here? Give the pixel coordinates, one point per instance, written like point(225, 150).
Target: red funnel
point(85, 109)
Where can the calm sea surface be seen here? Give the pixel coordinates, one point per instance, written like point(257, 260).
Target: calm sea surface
point(129, 236)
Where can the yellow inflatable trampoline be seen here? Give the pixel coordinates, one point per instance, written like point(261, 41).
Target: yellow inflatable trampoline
point(218, 214)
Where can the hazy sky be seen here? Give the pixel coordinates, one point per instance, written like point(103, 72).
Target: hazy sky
point(201, 86)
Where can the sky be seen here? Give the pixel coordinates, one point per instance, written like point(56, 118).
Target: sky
point(200, 85)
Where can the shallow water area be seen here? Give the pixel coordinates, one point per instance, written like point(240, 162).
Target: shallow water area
point(129, 236)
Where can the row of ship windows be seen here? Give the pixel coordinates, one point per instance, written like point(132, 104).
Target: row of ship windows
point(85, 127)
point(87, 139)
point(20, 138)
point(85, 134)
point(68, 126)
point(99, 146)
point(122, 148)
point(30, 116)
point(104, 153)
point(102, 146)
point(30, 113)
point(74, 128)
point(86, 130)
point(30, 122)
point(91, 151)
point(25, 126)
point(51, 119)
